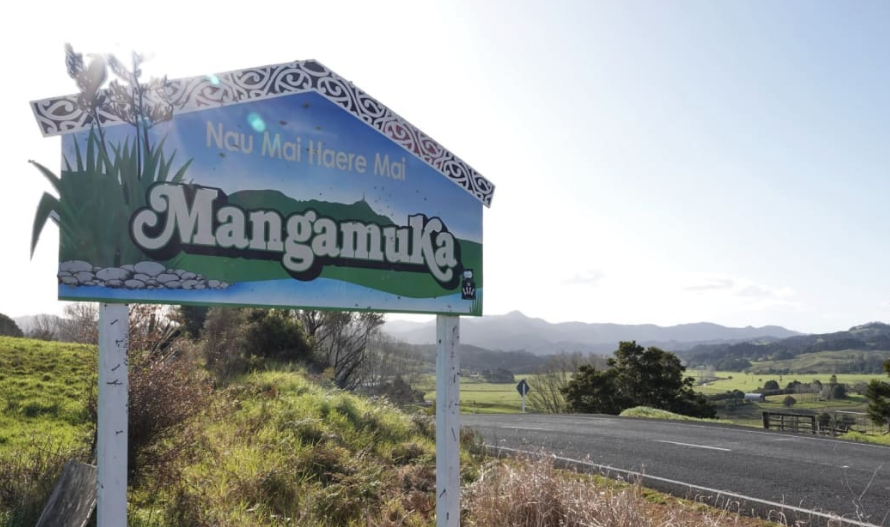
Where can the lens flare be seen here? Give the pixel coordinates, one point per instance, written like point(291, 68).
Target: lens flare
point(256, 122)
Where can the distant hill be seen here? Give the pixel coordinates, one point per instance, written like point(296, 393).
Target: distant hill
point(474, 358)
point(30, 322)
point(515, 331)
point(861, 349)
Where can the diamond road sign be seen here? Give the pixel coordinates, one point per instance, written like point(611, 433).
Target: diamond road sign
point(523, 387)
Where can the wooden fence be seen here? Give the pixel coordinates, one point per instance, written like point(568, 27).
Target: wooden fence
point(790, 423)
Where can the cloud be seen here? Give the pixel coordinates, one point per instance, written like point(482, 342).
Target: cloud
point(591, 277)
point(759, 291)
point(712, 285)
point(756, 291)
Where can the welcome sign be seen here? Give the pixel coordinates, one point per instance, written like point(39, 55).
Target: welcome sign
point(277, 186)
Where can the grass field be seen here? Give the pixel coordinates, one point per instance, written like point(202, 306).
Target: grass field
point(749, 382)
point(823, 361)
point(479, 397)
point(43, 391)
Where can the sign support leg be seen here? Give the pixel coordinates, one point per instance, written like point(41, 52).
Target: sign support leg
point(523, 403)
point(111, 458)
point(447, 421)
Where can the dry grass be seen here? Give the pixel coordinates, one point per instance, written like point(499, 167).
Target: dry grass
point(532, 492)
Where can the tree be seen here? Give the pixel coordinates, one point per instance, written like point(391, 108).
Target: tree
point(276, 334)
point(192, 319)
point(80, 323)
point(389, 359)
point(878, 394)
point(498, 376)
point(789, 401)
point(554, 376)
point(595, 391)
point(9, 328)
point(636, 377)
point(152, 328)
point(839, 391)
point(771, 384)
point(340, 340)
point(223, 344)
point(46, 327)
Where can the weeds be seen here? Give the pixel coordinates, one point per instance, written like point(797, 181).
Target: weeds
point(27, 479)
point(532, 492)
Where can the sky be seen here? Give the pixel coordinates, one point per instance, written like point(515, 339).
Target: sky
point(654, 162)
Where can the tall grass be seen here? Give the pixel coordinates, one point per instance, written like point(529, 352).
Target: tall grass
point(655, 413)
point(27, 478)
point(278, 449)
point(883, 439)
point(531, 492)
point(44, 387)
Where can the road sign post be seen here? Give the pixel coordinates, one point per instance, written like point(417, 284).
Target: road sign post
point(523, 388)
point(111, 458)
point(447, 421)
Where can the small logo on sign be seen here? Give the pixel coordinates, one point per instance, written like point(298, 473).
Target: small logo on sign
point(468, 286)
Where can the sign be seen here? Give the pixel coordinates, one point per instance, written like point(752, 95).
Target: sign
point(523, 388)
point(276, 186)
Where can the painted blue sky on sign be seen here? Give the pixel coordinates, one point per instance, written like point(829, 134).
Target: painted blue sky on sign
point(311, 118)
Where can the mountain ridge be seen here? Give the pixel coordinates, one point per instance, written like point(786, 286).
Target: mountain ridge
point(515, 331)
point(860, 349)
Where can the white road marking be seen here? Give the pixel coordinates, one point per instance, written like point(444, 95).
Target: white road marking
point(694, 446)
point(526, 428)
point(777, 506)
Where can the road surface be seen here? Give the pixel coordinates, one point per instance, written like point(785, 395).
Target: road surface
point(758, 470)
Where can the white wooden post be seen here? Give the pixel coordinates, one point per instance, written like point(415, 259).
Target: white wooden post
point(523, 403)
point(447, 421)
point(111, 458)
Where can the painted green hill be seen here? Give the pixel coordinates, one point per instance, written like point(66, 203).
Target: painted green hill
point(273, 199)
point(418, 285)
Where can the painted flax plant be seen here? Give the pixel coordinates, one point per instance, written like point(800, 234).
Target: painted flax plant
point(107, 184)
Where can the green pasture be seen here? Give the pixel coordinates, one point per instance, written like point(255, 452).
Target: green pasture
point(749, 382)
point(478, 397)
point(44, 388)
point(823, 361)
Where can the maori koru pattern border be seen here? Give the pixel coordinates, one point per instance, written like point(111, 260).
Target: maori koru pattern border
point(61, 115)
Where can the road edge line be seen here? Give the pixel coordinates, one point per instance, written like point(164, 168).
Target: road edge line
point(779, 506)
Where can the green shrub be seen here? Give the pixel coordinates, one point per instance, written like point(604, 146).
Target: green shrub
point(224, 343)
point(276, 334)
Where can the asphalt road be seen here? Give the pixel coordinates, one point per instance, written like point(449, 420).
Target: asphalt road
point(756, 470)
